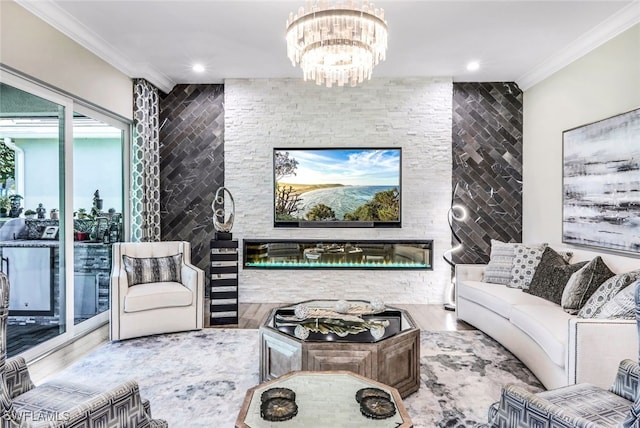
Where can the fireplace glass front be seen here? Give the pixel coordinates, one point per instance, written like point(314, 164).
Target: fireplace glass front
point(337, 254)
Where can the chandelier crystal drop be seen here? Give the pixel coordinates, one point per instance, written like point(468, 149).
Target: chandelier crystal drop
point(337, 44)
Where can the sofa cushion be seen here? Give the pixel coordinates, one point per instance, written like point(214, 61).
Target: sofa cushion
point(622, 306)
point(497, 298)
point(606, 292)
point(552, 275)
point(547, 325)
point(157, 295)
point(153, 269)
point(527, 257)
point(583, 283)
point(498, 270)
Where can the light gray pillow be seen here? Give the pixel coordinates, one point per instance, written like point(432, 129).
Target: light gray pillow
point(527, 257)
point(583, 283)
point(606, 292)
point(622, 306)
point(153, 269)
point(498, 270)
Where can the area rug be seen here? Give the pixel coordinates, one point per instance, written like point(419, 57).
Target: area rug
point(199, 379)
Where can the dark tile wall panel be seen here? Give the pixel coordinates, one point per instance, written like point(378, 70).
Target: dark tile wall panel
point(487, 166)
point(191, 164)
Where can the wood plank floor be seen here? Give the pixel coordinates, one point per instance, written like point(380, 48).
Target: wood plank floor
point(427, 317)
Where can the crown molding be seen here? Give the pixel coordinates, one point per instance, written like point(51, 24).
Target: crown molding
point(619, 22)
point(52, 14)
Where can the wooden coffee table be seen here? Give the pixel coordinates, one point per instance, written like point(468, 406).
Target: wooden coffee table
point(392, 360)
point(324, 399)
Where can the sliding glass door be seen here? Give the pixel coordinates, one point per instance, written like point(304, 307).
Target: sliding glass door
point(62, 206)
point(31, 140)
point(98, 196)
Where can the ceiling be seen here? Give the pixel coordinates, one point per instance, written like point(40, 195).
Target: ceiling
point(513, 40)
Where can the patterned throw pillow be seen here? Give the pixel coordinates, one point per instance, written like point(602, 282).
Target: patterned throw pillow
point(153, 269)
point(633, 418)
point(527, 258)
point(583, 284)
point(498, 270)
point(605, 293)
point(622, 306)
point(551, 276)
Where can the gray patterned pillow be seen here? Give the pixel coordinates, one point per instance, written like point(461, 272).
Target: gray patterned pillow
point(583, 283)
point(525, 262)
point(551, 276)
point(153, 269)
point(498, 270)
point(606, 292)
point(622, 306)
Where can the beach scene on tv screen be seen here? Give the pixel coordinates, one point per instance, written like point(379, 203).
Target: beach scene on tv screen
point(337, 185)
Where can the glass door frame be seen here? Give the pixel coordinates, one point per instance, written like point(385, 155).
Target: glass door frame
point(71, 104)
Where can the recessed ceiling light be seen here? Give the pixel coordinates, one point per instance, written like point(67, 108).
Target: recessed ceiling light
point(198, 68)
point(473, 66)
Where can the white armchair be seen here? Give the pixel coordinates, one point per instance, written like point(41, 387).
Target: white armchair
point(154, 289)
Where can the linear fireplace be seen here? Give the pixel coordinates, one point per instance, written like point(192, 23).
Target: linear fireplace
point(337, 254)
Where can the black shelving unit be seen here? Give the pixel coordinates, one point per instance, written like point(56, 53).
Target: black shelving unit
point(222, 296)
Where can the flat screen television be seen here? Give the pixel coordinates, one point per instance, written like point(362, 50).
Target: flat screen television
point(337, 187)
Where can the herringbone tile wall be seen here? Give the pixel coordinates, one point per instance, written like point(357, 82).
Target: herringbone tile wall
point(487, 166)
point(191, 164)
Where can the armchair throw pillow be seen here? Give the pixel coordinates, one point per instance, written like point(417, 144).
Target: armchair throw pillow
point(583, 283)
point(153, 269)
point(606, 292)
point(551, 276)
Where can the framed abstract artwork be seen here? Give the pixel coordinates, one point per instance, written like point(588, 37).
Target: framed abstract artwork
point(601, 184)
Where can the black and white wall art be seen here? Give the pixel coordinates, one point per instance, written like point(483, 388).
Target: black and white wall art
point(601, 184)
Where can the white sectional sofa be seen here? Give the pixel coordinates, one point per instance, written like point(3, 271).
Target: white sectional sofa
point(560, 349)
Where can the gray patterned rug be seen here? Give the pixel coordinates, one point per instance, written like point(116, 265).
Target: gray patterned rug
point(199, 379)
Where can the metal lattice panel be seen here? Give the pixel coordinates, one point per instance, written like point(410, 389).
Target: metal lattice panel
point(145, 174)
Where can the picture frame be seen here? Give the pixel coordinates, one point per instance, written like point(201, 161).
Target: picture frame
point(601, 184)
point(50, 232)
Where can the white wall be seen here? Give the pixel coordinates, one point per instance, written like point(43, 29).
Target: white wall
point(601, 84)
point(414, 114)
point(33, 47)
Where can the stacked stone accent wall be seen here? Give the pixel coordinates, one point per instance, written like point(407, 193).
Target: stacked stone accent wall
point(487, 166)
point(411, 113)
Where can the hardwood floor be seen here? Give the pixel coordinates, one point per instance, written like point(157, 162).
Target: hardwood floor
point(427, 317)
point(22, 337)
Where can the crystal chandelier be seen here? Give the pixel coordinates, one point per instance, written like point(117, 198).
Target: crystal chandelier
point(337, 44)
